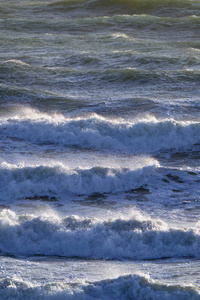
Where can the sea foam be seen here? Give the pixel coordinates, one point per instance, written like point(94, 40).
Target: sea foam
point(72, 236)
point(29, 181)
point(138, 136)
point(125, 287)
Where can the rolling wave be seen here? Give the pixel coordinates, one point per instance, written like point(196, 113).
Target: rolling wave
point(140, 136)
point(123, 60)
point(15, 69)
point(73, 80)
point(22, 182)
point(139, 287)
point(59, 180)
point(124, 287)
point(135, 238)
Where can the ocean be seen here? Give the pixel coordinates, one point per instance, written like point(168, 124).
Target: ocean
point(100, 149)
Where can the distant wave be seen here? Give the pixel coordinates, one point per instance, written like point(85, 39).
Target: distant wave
point(140, 136)
point(125, 287)
point(106, 74)
point(135, 238)
point(127, 6)
point(81, 24)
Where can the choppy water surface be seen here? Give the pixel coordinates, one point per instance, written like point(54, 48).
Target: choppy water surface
point(99, 149)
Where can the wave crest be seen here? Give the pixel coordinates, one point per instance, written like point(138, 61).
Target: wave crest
point(124, 287)
point(17, 182)
point(134, 238)
point(147, 135)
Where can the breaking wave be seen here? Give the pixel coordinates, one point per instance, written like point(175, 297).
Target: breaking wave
point(124, 287)
point(96, 132)
point(139, 287)
point(20, 182)
point(134, 238)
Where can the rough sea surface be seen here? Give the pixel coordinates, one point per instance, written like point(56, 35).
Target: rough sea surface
point(100, 149)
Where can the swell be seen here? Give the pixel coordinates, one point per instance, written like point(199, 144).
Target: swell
point(155, 7)
point(12, 97)
point(118, 22)
point(149, 135)
point(74, 80)
point(134, 238)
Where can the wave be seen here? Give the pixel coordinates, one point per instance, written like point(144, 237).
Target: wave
point(124, 287)
point(10, 94)
point(126, 74)
point(110, 78)
point(59, 180)
point(139, 287)
point(178, 7)
point(155, 22)
point(134, 238)
point(37, 181)
point(13, 97)
point(140, 136)
point(122, 21)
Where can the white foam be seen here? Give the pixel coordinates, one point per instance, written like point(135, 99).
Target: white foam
point(16, 62)
point(138, 287)
point(27, 113)
point(122, 238)
point(125, 287)
point(147, 135)
point(21, 181)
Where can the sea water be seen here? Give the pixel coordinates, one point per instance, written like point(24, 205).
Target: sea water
point(99, 149)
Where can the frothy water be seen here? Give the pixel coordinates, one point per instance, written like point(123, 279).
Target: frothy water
point(96, 132)
point(74, 237)
point(99, 149)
